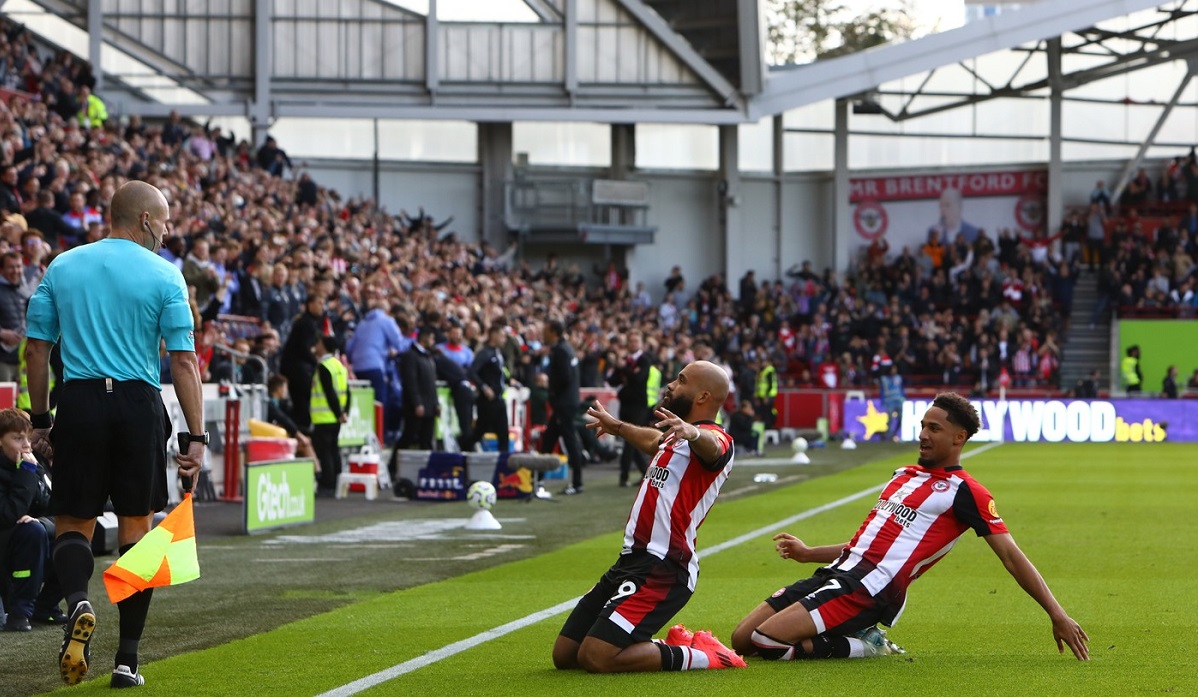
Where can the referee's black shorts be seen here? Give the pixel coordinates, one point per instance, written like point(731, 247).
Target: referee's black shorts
point(109, 443)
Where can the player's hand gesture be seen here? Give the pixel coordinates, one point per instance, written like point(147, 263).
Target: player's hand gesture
point(672, 423)
point(603, 422)
point(1067, 631)
point(790, 547)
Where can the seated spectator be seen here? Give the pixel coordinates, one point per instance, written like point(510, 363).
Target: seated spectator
point(26, 532)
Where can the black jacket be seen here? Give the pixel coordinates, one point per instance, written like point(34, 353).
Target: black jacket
point(418, 375)
point(24, 490)
point(563, 379)
point(632, 377)
point(487, 369)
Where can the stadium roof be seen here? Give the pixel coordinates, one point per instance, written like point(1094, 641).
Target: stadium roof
point(607, 61)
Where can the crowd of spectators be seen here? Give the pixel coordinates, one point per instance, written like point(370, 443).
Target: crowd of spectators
point(262, 245)
point(1144, 248)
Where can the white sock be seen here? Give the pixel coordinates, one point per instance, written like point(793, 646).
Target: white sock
point(856, 647)
point(696, 659)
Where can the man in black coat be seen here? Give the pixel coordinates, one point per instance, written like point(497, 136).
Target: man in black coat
point(631, 375)
point(297, 362)
point(461, 391)
point(564, 399)
point(418, 375)
point(489, 372)
point(48, 220)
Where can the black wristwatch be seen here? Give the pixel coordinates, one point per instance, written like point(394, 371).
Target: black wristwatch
point(193, 438)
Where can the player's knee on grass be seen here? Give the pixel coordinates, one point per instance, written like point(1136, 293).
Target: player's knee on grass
point(565, 653)
point(596, 656)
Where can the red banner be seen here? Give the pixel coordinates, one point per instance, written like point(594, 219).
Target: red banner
point(969, 184)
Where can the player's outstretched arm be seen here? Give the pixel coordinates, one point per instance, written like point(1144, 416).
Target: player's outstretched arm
point(790, 547)
point(1065, 629)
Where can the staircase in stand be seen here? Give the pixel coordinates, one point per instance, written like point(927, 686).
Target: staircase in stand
point(1087, 346)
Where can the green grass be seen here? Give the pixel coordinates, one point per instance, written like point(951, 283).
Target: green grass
point(1107, 525)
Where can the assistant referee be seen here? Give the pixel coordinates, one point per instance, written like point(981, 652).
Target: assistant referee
point(109, 304)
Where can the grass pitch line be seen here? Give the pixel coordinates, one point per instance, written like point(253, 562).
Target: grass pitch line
point(457, 647)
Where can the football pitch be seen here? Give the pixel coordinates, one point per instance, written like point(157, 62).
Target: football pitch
point(313, 610)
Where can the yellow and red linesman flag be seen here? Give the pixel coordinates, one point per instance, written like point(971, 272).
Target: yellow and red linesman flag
point(166, 556)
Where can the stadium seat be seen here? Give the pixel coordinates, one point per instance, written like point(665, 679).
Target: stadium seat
point(370, 481)
point(788, 434)
point(770, 436)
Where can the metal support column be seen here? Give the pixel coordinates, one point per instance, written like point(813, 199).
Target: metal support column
point(729, 204)
point(432, 36)
point(261, 111)
point(570, 46)
point(623, 150)
point(495, 163)
point(95, 39)
point(842, 216)
point(779, 190)
point(1056, 175)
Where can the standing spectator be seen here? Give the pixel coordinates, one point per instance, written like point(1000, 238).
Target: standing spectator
point(766, 392)
point(92, 112)
point(1100, 196)
point(10, 194)
point(272, 158)
point(631, 376)
point(1169, 384)
point(418, 375)
point(1096, 236)
point(110, 304)
point(198, 271)
point(1129, 370)
point(564, 400)
point(461, 395)
point(453, 348)
point(893, 396)
point(297, 362)
point(49, 221)
point(329, 408)
point(374, 343)
point(491, 375)
point(12, 313)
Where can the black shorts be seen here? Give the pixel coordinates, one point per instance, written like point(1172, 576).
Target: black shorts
point(838, 603)
point(637, 596)
point(109, 444)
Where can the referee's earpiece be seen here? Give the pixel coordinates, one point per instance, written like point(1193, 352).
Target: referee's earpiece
point(157, 241)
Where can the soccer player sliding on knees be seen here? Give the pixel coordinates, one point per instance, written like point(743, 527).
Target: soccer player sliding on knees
point(610, 629)
point(917, 519)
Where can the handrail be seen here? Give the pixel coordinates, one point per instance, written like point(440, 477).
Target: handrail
point(244, 356)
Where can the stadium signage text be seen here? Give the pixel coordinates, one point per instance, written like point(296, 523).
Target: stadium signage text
point(279, 493)
point(1048, 421)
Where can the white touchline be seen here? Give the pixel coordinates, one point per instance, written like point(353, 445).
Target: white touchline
point(457, 647)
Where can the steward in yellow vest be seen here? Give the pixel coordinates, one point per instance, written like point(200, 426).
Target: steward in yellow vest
point(329, 408)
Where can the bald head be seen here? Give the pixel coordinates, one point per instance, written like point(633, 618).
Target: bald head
point(140, 213)
point(698, 392)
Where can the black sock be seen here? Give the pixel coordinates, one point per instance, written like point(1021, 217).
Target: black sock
point(133, 622)
point(672, 657)
point(825, 647)
point(74, 563)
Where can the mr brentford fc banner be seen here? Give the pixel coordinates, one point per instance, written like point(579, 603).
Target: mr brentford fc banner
point(907, 210)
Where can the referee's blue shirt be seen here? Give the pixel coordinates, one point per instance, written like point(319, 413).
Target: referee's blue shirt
point(107, 304)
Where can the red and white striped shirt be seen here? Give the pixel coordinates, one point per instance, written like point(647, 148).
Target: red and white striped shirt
point(675, 497)
point(918, 518)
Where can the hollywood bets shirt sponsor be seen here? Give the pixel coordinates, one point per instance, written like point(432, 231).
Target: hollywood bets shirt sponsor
point(918, 518)
point(675, 497)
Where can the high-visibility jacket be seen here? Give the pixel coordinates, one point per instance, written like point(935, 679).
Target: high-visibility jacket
point(23, 401)
point(767, 382)
point(319, 408)
point(1127, 367)
point(653, 386)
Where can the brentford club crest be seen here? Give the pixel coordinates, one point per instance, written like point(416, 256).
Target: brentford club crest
point(939, 485)
point(1029, 212)
point(870, 219)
